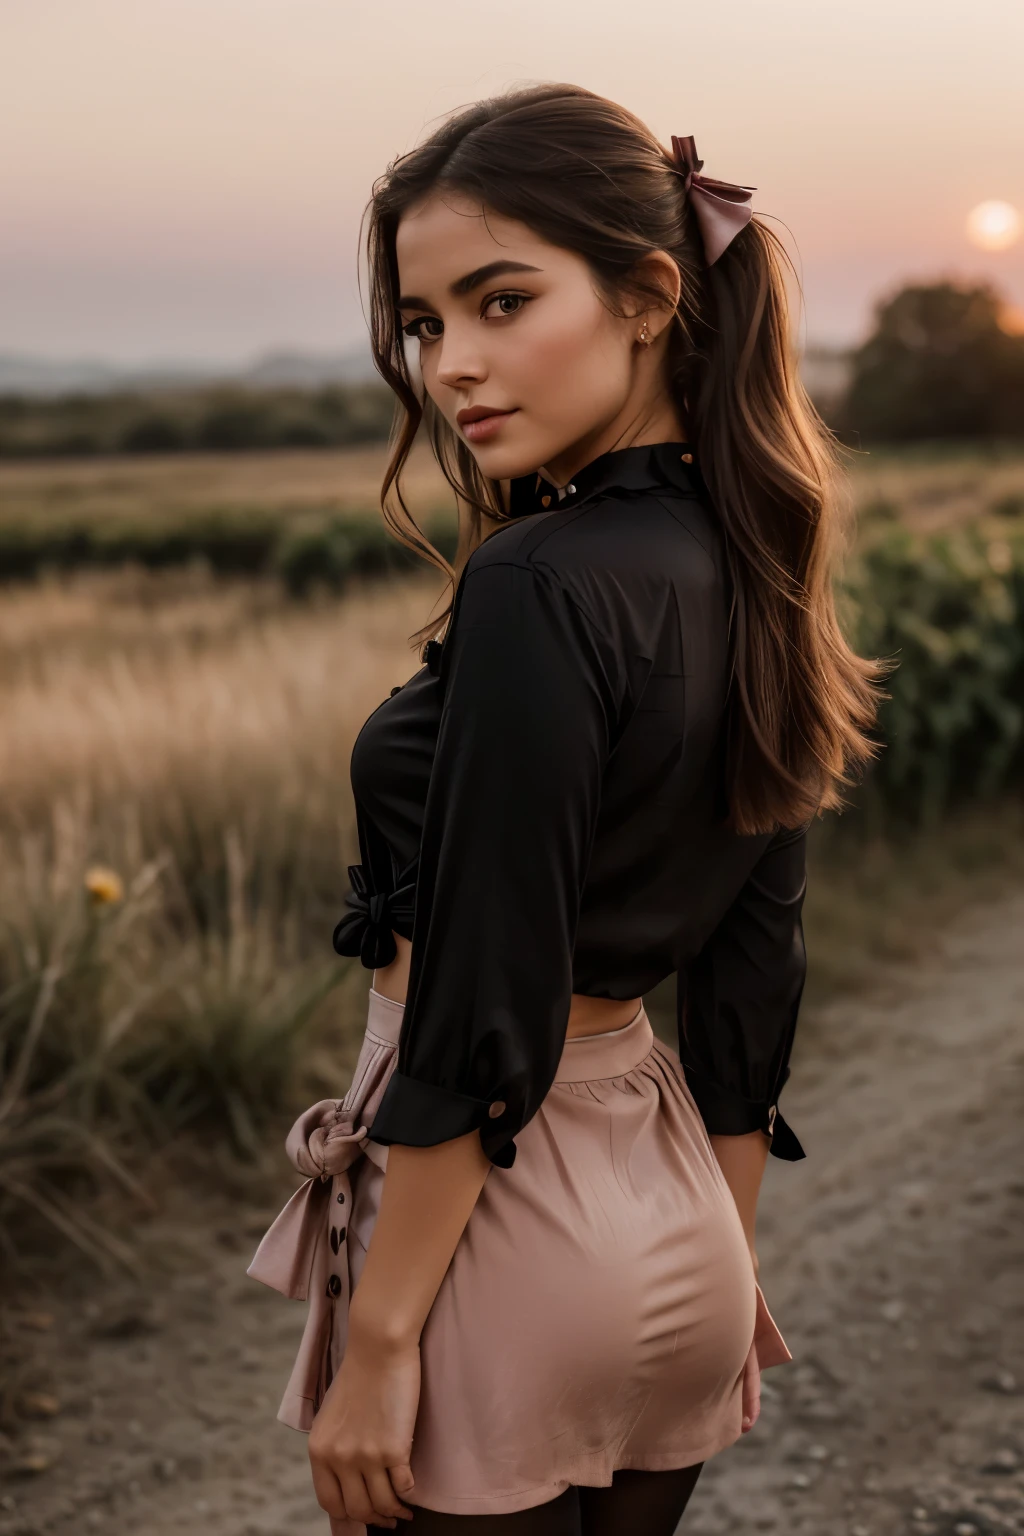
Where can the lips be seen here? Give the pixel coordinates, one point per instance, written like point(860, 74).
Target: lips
point(480, 422)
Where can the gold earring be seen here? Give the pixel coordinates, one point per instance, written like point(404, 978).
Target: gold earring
point(644, 337)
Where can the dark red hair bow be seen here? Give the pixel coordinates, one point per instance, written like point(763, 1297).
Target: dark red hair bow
point(722, 208)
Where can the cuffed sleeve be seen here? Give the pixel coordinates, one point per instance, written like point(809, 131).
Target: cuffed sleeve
point(740, 996)
point(509, 822)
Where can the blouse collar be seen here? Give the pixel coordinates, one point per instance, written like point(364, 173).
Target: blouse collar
point(622, 469)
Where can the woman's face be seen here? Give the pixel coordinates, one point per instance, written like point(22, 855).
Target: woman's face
point(517, 349)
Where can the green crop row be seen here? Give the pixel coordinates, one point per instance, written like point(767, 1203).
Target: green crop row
point(948, 612)
point(303, 551)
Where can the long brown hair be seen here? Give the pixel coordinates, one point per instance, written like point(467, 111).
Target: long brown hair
point(588, 176)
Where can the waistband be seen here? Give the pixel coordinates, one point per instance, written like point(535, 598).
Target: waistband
point(585, 1058)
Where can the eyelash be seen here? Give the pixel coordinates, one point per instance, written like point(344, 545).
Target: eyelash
point(414, 330)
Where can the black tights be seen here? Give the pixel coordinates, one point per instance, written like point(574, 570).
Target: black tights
point(636, 1504)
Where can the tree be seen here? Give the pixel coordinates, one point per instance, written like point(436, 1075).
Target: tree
point(940, 363)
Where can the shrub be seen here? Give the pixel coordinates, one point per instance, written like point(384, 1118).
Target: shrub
point(949, 611)
point(215, 418)
point(155, 432)
point(330, 553)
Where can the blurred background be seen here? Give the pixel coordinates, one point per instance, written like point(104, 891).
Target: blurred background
point(199, 607)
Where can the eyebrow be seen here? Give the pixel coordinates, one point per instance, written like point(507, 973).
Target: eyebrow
point(464, 285)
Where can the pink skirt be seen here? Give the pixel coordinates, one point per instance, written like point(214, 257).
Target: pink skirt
point(601, 1302)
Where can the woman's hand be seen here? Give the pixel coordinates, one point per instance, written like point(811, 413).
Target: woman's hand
point(752, 1369)
point(751, 1390)
point(360, 1444)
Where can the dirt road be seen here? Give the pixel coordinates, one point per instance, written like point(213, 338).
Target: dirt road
point(893, 1259)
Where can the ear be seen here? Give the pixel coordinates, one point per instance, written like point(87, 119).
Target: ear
point(658, 273)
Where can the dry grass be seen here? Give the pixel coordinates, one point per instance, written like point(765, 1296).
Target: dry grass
point(198, 746)
point(123, 700)
point(934, 489)
point(165, 487)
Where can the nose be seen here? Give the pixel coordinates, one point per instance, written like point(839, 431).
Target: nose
point(459, 360)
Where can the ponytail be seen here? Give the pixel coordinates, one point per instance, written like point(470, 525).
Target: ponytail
point(802, 701)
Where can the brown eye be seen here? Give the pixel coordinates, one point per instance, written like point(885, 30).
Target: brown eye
point(504, 304)
point(424, 328)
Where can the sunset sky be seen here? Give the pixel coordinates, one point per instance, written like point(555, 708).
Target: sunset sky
point(184, 178)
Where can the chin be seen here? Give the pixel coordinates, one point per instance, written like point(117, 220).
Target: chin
point(501, 461)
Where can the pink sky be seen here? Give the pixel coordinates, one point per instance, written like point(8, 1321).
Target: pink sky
point(184, 178)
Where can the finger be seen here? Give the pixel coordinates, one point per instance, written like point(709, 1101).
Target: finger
point(327, 1489)
point(751, 1391)
point(402, 1480)
point(357, 1499)
point(382, 1494)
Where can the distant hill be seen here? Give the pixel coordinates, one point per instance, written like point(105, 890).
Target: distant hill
point(22, 374)
point(826, 373)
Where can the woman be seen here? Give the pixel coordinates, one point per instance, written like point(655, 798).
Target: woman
point(602, 775)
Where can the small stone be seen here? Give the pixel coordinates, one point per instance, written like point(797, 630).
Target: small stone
point(39, 1405)
point(800, 1480)
point(94, 1518)
point(1004, 1460)
point(201, 1507)
point(920, 1514)
point(817, 1453)
point(859, 1530)
point(1000, 1381)
point(965, 1528)
point(8, 1505)
point(893, 1310)
point(165, 1468)
point(36, 1322)
point(133, 1322)
point(31, 1464)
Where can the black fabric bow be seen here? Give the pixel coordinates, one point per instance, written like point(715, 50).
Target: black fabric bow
point(366, 931)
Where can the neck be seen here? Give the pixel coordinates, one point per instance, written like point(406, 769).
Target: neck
point(653, 421)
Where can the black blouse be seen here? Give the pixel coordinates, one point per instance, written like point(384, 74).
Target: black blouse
point(540, 810)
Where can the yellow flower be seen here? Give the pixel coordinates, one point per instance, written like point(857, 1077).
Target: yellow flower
point(105, 886)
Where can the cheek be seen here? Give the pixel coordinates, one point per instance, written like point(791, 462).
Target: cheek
point(571, 364)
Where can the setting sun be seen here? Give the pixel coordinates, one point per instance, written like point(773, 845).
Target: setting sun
point(993, 226)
